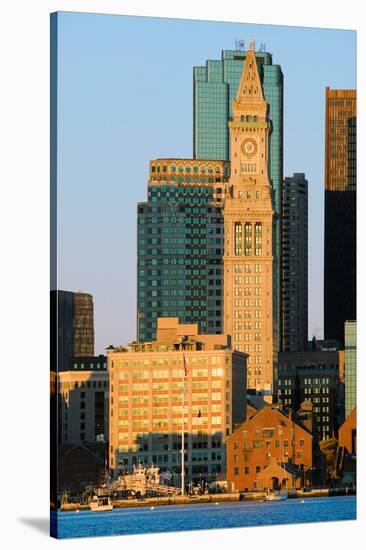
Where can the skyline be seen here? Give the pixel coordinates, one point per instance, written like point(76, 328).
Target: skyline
point(115, 120)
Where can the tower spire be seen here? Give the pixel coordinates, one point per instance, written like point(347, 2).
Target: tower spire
point(250, 87)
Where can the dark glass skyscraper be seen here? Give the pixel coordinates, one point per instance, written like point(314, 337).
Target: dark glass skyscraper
point(72, 323)
point(295, 263)
point(340, 212)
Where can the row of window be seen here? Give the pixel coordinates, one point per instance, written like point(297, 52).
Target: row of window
point(247, 279)
point(187, 169)
point(248, 314)
point(247, 302)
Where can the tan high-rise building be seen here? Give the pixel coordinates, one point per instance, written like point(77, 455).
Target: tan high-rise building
point(183, 381)
point(248, 226)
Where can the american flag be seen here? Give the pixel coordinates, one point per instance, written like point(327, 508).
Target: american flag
point(185, 365)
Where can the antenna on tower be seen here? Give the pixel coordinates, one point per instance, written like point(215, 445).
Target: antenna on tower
point(239, 45)
point(262, 47)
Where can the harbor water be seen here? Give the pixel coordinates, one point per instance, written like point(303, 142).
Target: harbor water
point(162, 519)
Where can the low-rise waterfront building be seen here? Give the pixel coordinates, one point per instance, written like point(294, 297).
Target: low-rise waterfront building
point(182, 382)
point(268, 451)
point(83, 400)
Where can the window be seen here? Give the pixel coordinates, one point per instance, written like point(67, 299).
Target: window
point(248, 239)
point(238, 239)
point(236, 471)
point(258, 239)
point(257, 469)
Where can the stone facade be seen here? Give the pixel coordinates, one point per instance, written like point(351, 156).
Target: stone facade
point(248, 229)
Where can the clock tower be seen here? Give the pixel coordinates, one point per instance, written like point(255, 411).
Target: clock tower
point(248, 221)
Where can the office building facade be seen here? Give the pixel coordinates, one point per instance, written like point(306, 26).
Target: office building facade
point(340, 212)
point(312, 376)
point(249, 250)
point(294, 232)
point(350, 336)
point(72, 327)
point(83, 402)
point(180, 245)
point(183, 381)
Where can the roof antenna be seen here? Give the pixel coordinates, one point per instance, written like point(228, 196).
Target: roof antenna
point(239, 45)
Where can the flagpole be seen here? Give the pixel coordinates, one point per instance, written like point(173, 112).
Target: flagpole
point(182, 448)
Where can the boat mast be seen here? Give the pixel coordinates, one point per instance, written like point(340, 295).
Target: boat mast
point(182, 446)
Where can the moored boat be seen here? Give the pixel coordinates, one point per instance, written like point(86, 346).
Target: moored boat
point(276, 495)
point(101, 504)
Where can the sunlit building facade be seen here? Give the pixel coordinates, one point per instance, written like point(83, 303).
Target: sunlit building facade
point(249, 251)
point(149, 410)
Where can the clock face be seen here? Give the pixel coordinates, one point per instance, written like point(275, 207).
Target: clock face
point(249, 147)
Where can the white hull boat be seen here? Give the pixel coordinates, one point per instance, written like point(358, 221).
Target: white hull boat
point(101, 504)
point(276, 495)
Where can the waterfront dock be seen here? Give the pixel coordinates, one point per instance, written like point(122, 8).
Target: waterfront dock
point(206, 499)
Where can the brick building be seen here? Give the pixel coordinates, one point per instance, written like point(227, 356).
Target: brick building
point(268, 451)
point(347, 433)
point(346, 463)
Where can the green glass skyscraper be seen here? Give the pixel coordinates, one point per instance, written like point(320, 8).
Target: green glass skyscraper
point(214, 87)
point(180, 245)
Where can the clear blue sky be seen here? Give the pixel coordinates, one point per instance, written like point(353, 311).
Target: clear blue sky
point(125, 97)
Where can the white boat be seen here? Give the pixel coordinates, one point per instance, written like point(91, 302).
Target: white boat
point(276, 495)
point(101, 504)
